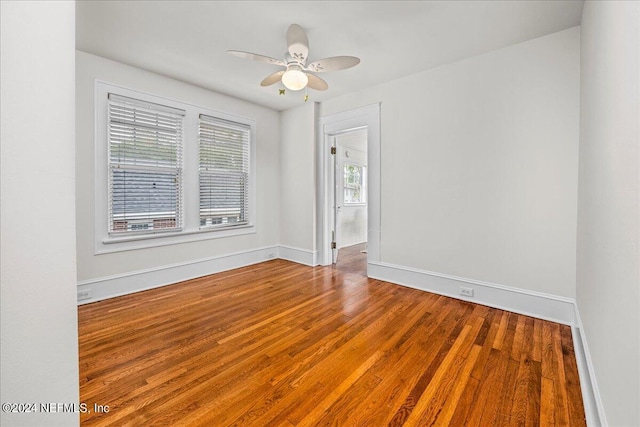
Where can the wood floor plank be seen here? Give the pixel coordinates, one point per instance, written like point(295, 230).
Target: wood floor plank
point(399, 376)
point(319, 408)
point(537, 340)
point(430, 403)
point(286, 379)
point(502, 329)
point(283, 344)
point(338, 365)
point(448, 406)
point(438, 349)
point(518, 413)
point(507, 393)
point(547, 403)
point(485, 409)
point(572, 385)
point(466, 402)
point(487, 345)
point(560, 392)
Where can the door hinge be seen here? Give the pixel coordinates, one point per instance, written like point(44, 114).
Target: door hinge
point(333, 245)
point(333, 150)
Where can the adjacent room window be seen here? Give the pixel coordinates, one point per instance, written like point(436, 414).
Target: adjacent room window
point(354, 179)
point(145, 166)
point(223, 172)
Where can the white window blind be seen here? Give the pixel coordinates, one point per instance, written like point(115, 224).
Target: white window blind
point(224, 172)
point(145, 166)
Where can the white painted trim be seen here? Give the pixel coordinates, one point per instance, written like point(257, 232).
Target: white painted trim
point(301, 256)
point(593, 407)
point(141, 280)
point(191, 231)
point(369, 117)
point(535, 304)
point(131, 243)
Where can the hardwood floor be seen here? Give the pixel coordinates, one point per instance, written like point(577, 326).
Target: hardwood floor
point(352, 260)
point(279, 343)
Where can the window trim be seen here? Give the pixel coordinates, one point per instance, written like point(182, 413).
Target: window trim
point(204, 121)
point(191, 230)
point(121, 106)
point(363, 185)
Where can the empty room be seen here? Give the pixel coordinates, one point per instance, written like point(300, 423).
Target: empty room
point(304, 213)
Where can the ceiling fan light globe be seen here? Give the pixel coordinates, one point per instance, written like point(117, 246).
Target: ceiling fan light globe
point(294, 79)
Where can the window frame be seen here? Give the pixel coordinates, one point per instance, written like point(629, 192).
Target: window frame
point(106, 242)
point(363, 183)
point(127, 125)
point(212, 125)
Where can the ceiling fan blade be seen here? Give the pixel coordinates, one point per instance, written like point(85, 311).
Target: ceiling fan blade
point(256, 57)
point(335, 63)
point(272, 78)
point(316, 82)
point(297, 43)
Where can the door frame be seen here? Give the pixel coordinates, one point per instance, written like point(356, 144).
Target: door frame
point(330, 125)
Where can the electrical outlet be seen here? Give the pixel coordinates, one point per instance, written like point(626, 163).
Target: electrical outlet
point(85, 294)
point(466, 292)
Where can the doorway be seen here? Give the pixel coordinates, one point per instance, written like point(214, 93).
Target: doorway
point(349, 155)
point(331, 174)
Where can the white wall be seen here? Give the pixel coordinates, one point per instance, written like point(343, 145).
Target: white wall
point(297, 182)
point(608, 256)
point(39, 350)
point(479, 165)
point(91, 266)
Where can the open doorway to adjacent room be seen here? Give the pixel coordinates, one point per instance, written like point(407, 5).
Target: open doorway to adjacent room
point(350, 199)
point(349, 187)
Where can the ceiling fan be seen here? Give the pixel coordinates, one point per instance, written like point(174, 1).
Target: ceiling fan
point(297, 74)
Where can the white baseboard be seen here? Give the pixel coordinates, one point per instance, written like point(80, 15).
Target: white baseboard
point(136, 281)
point(301, 256)
point(593, 407)
point(535, 304)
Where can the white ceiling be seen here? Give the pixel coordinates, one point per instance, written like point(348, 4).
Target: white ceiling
point(354, 140)
point(188, 40)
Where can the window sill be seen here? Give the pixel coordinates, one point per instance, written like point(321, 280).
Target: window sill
point(127, 243)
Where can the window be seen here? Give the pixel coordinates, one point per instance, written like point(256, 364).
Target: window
point(224, 172)
point(169, 172)
point(145, 167)
point(354, 180)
